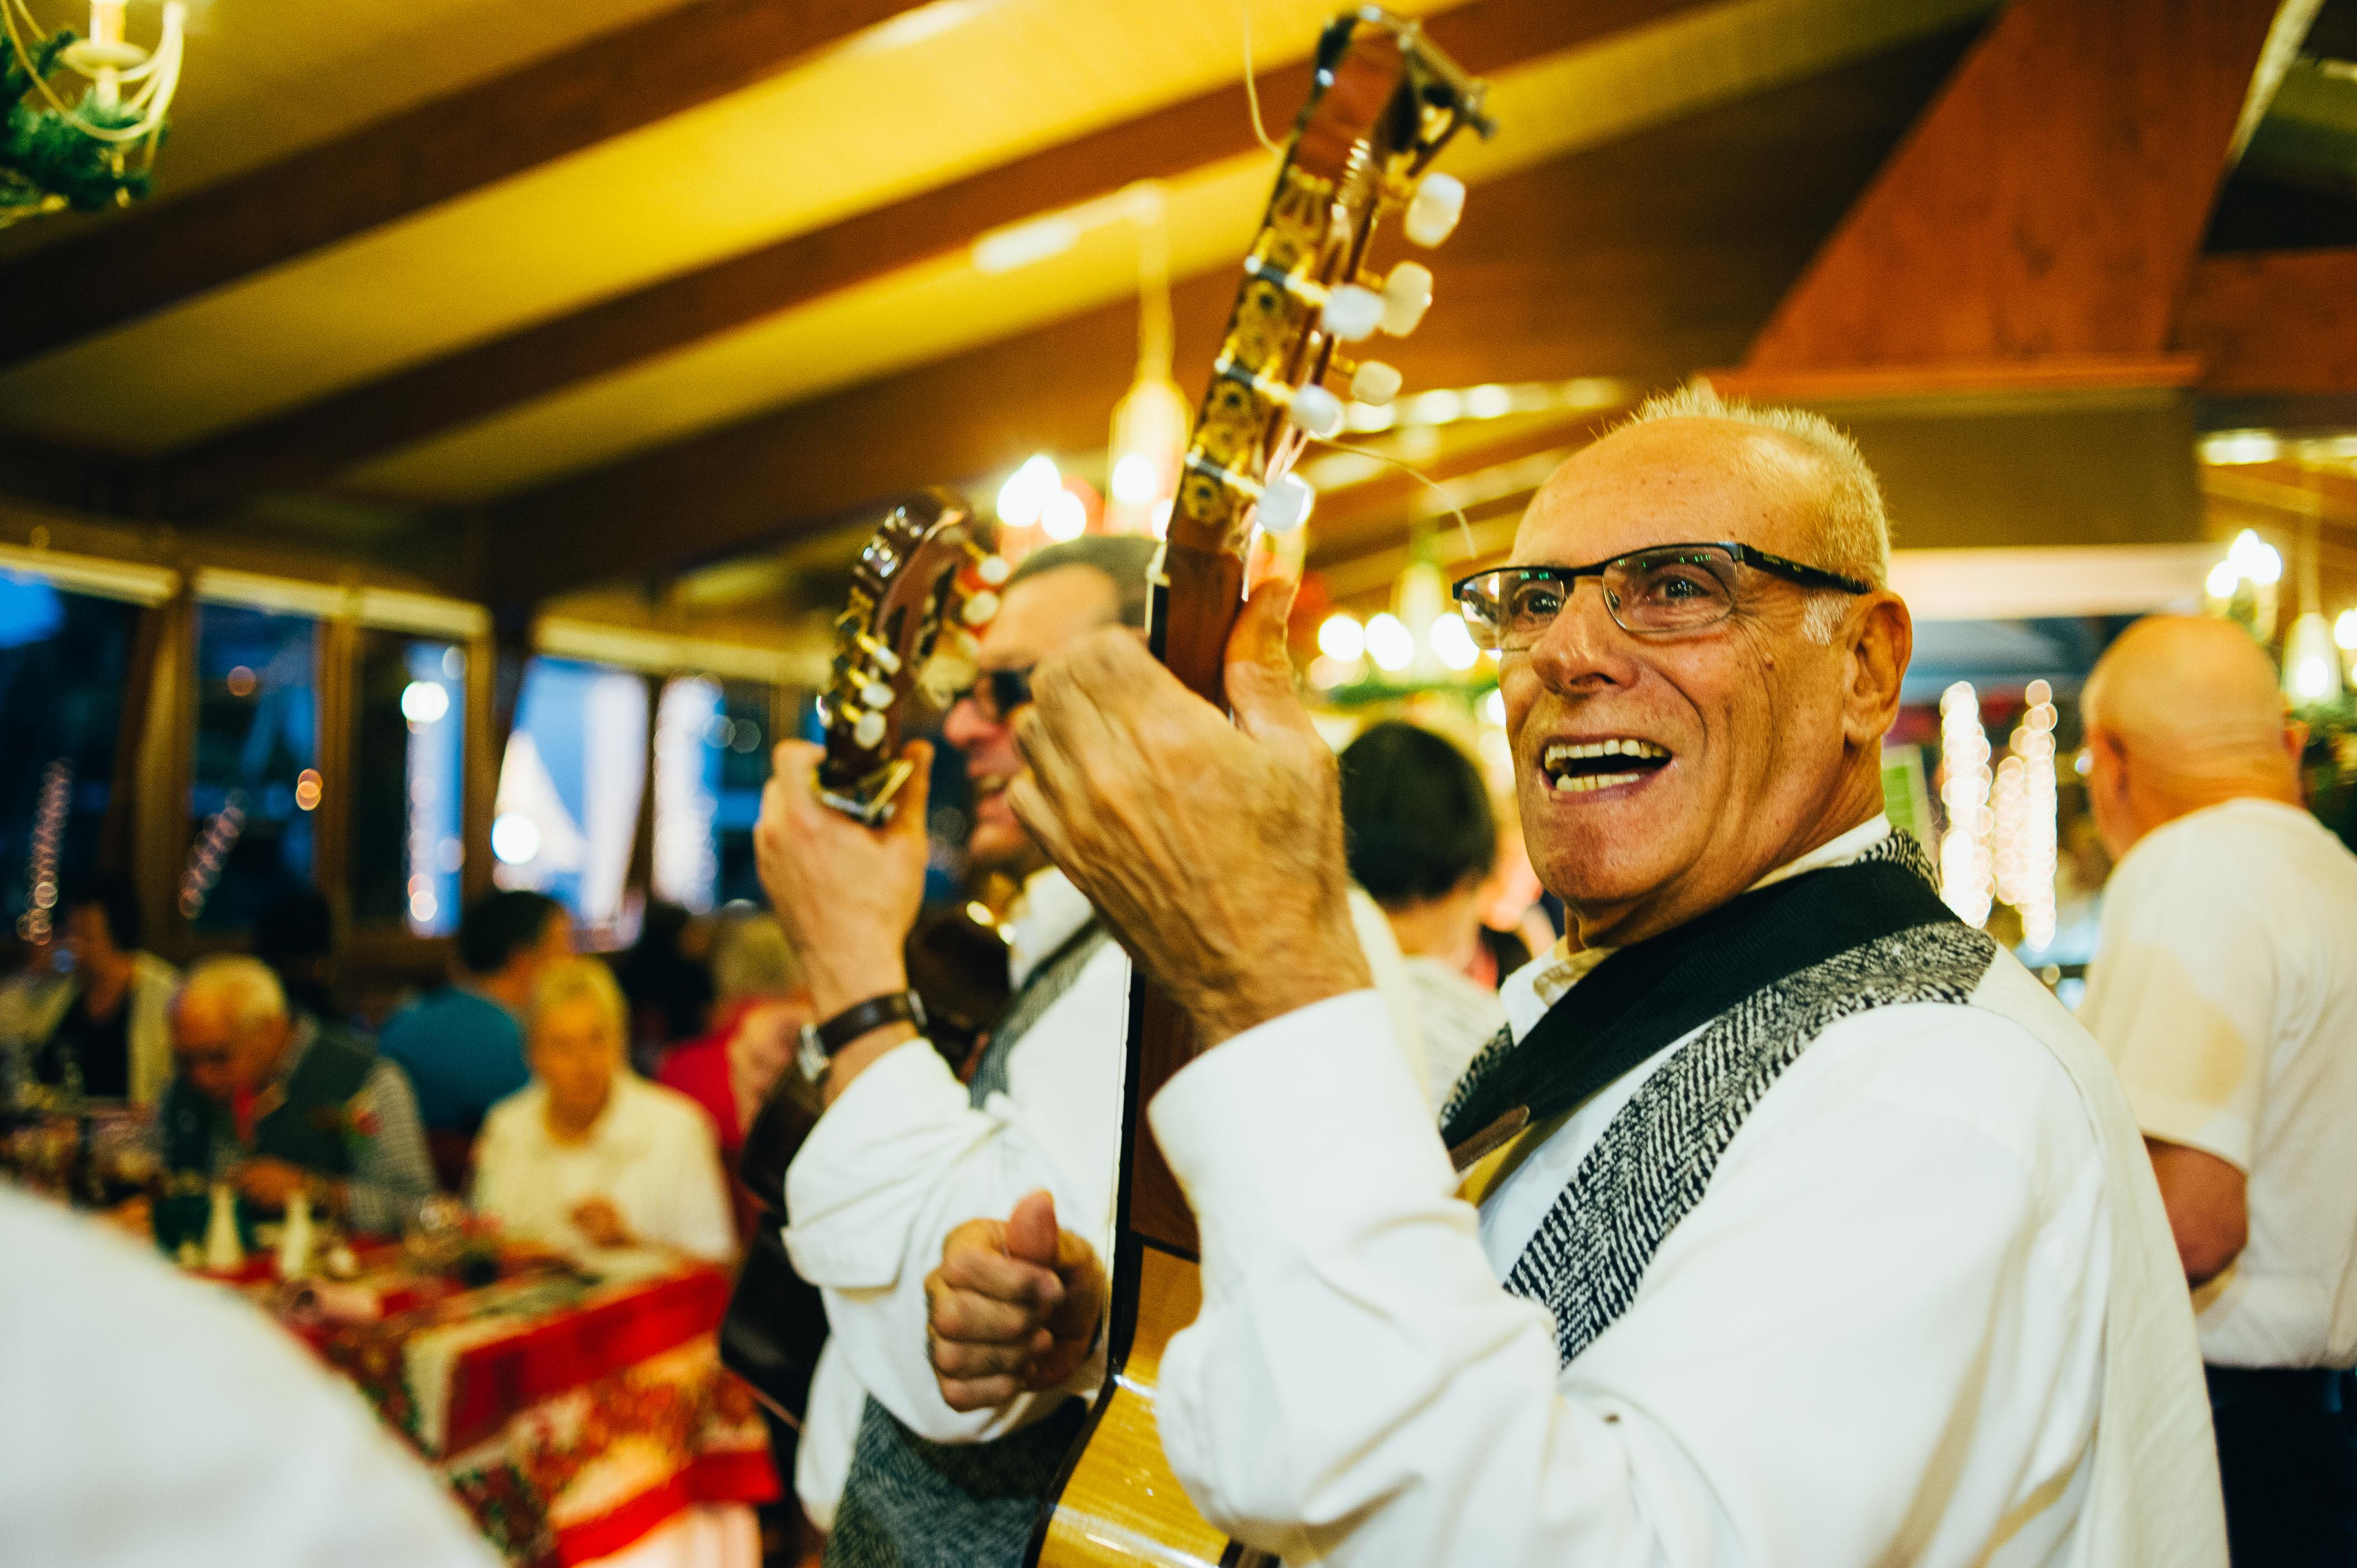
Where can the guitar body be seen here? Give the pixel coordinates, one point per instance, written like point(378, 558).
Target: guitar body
point(1383, 105)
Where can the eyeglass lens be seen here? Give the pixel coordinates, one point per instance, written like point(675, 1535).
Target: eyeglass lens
point(998, 692)
point(1680, 590)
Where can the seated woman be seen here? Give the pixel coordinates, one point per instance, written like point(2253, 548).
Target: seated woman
point(103, 1025)
point(590, 1154)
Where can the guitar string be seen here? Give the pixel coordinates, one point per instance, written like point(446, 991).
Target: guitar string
point(1446, 501)
point(1252, 90)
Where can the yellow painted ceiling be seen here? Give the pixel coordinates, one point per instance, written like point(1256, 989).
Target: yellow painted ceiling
point(959, 86)
point(265, 78)
point(1573, 100)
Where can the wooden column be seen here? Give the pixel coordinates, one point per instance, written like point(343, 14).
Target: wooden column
point(338, 688)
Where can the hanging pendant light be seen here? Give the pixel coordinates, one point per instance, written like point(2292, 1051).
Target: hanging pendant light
point(1149, 424)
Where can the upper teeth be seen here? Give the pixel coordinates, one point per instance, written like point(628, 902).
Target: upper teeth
point(1617, 747)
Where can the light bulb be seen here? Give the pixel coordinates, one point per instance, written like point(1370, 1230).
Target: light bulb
point(1025, 494)
point(1340, 635)
point(1134, 479)
point(2344, 630)
point(423, 701)
point(1065, 517)
point(515, 839)
point(2223, 580)
point(2254, 558)
point(1493, 706)
point(1390, 643)
point(1452, 644)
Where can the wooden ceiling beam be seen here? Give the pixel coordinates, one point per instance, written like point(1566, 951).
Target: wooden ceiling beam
point(389, 168)
point(2274, 323)
point(1641, 258)
point(2051, 202)
point(315, 441)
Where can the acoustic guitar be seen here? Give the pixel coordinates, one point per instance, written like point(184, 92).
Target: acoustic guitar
point(905, 642)
point(1383, 104)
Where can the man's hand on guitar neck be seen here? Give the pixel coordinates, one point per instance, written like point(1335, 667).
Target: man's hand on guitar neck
point(1215, 849)
point(1013, 1309)
point(846, 892)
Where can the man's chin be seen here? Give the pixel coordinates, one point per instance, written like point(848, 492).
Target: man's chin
point(1003, 847)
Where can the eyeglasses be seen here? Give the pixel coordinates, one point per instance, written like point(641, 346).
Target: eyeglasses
point(998, 692)
point(1668, 588)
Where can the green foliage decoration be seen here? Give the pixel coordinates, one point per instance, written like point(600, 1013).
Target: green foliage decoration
point(46, 163)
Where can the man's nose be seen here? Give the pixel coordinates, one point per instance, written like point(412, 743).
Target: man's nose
point(1584, 646)
point(965, 725)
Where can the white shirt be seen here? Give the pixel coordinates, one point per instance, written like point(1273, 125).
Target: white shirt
point(1931, 1259)
point(149, 1421)
point(902, 1158)
point(2224, 989)
point(651, 1154)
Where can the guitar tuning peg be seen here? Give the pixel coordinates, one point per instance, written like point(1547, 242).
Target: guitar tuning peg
point(1352, 313)
point(980, 608)
point(992, 570)
point(1376, 383)
point(868, 731)
point(1317, 411)
point(876, 694)
point(1285, 504)
point(1432, 215)
point(1407, 294)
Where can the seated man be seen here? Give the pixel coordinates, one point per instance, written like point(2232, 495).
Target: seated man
point(462, 1046)
point(1828, 1239)
point(276, 1108)
point(591, 1154)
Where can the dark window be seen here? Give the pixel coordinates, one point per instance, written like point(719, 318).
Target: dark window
point(255, 778)
point(65, 663)
point(408, 787)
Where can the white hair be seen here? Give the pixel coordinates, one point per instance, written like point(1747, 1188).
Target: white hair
point(248, 987)
point(570, 979)
point(1853, 527)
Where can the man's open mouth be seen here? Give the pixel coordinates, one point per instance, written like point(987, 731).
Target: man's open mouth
point(1575, 766)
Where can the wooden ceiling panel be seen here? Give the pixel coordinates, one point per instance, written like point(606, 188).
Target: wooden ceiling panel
point(1686, 233)
point(897, 109)
point(1580, 97)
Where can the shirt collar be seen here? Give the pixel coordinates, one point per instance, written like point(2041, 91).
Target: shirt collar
point(1044, 918)
point(1539, 985)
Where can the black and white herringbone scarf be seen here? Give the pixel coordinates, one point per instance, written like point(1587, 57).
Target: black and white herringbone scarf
point(1656, 1156)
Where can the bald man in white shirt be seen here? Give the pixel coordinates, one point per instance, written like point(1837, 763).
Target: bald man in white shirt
point(2224, 989)
point(1828, 1240)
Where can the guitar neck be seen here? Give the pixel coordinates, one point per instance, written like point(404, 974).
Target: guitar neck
point(1196, 601)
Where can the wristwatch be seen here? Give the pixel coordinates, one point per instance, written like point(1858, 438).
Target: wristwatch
point(820, 1041)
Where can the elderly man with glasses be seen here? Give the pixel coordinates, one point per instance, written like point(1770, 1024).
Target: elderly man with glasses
point(1811, 1231)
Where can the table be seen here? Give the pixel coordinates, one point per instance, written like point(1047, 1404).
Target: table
point(572, 1413)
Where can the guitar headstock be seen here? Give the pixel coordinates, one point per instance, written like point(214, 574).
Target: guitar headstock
point(922, 587)
point(1383, 104)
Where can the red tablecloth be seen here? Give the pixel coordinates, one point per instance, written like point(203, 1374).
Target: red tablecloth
point(570, 1414)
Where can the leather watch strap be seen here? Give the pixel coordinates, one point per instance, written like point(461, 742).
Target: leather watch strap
point(892, 1007)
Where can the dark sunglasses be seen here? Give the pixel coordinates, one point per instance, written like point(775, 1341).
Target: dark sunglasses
point(998, 692)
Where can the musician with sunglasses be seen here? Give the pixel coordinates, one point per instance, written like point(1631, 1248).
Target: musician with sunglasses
point(907, 1158)
point(1798, 1225)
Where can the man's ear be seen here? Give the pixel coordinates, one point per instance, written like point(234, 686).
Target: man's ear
point(1881, 641)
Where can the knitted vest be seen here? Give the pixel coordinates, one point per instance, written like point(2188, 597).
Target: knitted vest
point(911, 1503)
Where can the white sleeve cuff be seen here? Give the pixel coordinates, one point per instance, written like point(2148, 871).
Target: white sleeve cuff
point(862, 1176)
point(1299, 1128)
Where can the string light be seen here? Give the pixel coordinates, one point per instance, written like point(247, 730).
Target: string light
point(1390, 643)
point(1025, 494)
point(41, 863)
point(2025, 819)
point(1966, 867)
point(1340, 635)
point(211, 853)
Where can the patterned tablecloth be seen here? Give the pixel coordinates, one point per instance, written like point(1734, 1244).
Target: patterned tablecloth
point(571, 1414)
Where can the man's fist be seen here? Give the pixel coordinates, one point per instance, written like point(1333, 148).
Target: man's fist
point(1013, 1307)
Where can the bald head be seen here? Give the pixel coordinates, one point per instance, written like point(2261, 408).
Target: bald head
point(2183, 712)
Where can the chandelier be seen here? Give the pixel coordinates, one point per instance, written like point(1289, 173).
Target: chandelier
point(86, 145)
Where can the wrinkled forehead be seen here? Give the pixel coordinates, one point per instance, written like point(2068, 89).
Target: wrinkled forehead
point(1674, 481)
point(1039, 615)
